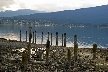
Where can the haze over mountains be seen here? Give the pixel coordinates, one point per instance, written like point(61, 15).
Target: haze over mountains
point(93, 15)
point(9, 13)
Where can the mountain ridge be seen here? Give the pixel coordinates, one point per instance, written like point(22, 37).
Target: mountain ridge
point(10, 13)
point(93, 15)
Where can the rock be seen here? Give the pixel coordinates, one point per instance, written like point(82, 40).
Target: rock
point(106, 59)
point(75, 70)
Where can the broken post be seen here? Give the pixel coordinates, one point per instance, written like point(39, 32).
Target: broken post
point(75, 51)
point(29, 51)
point(20, 35)
point(56, 38)
point(26, 36)
point(69, 55)
point(47, 49)
point(94, 50)
point(33, 36)
point(24, 60)
point(75, 47)
point(51, 38)
point(75, 39)
point(30, 34)
point(48, 35)
point(64, 39)
point(42, 38)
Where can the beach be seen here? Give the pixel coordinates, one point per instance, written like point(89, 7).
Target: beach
point(53, 59)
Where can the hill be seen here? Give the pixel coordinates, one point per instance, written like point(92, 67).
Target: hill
point(93, 15)
point(9, 13)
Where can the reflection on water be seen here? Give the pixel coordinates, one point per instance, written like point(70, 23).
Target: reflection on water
point(11, 36)
point(86, 36)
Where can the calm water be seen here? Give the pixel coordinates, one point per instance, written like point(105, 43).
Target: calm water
point(86, 35)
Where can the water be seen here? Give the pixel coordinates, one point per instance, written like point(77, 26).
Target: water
point(87, 36)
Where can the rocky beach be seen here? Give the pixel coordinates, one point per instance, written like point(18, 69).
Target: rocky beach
point(46, 58)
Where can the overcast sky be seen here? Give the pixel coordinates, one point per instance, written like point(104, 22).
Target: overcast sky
point(49, 5)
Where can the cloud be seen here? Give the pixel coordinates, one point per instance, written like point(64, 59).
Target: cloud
point(59, 5)
point(6, 4)
point(50, 5)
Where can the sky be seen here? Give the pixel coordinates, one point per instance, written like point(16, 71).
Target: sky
point(49, 5)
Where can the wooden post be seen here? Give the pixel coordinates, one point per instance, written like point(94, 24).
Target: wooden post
point(47, 49)
point(48, 44)
point(94, 50)
point(75, 51)
point(24, 60)
point(30, 34)
point(69, 55)
point(20, 35)
point(26, 36)
point(75, 39)
point(75, 47)
point(48, 35)
point(56, 38)
point(42, 38)
point(33, 36)
point(29, 51)
point(64, 39)
point(51, 38)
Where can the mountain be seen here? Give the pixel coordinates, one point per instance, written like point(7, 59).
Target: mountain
point(9, 13)
point(93, 15)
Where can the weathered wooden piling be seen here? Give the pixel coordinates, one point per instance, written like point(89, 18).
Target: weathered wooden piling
point(33, 36)
point(20, 35)
point(29, 51)
point(47, 49)
point(75, 51)
point(69, 55)
point(75, 47)
point(48, 35)
point(51, 38)
point(75, 39)
point(24, 60)
point(64, 39)
point(94, 50)
point(56, 38)
point(42, 38)
point(30, 34)
point(26, 36)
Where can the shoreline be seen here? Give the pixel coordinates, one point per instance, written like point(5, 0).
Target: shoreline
point(4, 41)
